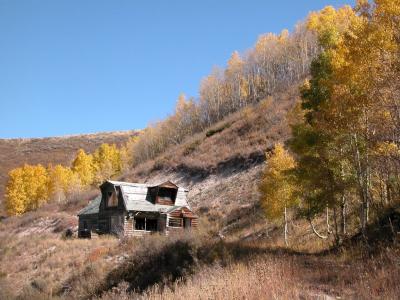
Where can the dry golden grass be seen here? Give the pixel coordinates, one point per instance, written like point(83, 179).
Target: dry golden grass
point(46, 266)
point(282, 275)
point(264, 278)
point(43, 263)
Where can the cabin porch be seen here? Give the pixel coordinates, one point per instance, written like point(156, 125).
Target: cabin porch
point(144, 223)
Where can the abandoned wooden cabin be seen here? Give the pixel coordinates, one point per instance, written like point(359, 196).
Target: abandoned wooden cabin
point(135, 209)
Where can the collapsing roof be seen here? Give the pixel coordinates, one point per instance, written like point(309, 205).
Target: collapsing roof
point(136, 197)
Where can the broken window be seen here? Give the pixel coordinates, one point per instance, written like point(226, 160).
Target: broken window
point(175, 222)
point(140, 224)
point(167, 193)
point(151, 224)
point(145, 224)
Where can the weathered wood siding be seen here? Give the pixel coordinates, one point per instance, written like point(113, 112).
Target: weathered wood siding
point(106, 213)
point(181, 219)
point(91, 222)
point(195, 222)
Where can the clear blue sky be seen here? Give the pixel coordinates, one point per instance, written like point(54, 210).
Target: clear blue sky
point(73, 66)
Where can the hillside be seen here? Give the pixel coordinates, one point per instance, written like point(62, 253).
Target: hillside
point(222, 167)
point(292, 169)
point(54, 150)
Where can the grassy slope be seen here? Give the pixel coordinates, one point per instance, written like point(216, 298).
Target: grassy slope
point(221, 171)
point(55, 150)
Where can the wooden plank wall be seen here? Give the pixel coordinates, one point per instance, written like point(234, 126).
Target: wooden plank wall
point(185, 213)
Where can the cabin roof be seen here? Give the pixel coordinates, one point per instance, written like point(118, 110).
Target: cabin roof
point(92, 207)
point(166, 184)
point(137, 198)
point(146, 185)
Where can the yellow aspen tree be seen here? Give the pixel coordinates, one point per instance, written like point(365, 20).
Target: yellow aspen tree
point(36, 179)
point(212, 97)
point(233, 79)
point(329, 23)
point(283, 36)
point(107, 162)
point(127, 153)
point(27, 189)
point(16, 200)
point(276, 188)
point(83, 166)
point(60, 182)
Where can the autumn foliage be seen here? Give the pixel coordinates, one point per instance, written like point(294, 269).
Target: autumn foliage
point(346, 137)
point(27, 188)
point(274, 64)
point(30, 186)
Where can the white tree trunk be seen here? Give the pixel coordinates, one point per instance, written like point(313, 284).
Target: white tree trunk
point(315, 231)
point(286, 228)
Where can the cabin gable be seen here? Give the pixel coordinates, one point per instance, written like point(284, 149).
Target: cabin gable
point(111, 198)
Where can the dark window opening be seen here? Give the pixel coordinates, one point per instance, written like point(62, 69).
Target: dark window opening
point(85, 225)
point(140, 223)
point(167, 194)
point(175, 222)
point(146, 224)
point(153, 194)
point(151, 224)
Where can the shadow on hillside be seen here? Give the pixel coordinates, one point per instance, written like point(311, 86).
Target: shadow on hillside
point(383, 232)
point(180, 258)
point(176, 258)
point(238, 163)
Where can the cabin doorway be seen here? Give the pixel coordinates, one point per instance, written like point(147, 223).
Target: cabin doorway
point(116, 224)
point(187, 222)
